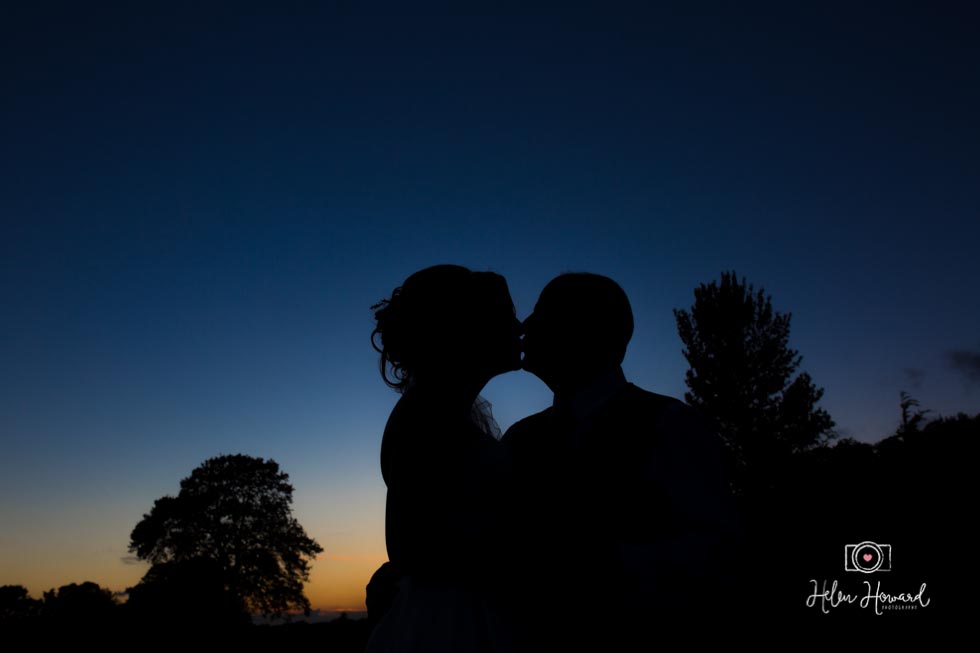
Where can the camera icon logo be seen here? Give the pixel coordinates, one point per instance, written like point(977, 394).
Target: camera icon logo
point(867, 557)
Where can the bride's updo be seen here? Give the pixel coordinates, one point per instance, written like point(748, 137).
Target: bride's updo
point(428, 322)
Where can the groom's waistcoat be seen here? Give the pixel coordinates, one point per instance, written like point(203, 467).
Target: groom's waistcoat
point(599, 481)
point(631, 475)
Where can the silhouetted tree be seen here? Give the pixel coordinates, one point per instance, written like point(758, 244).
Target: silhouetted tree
point(741, 373)
point(191, 593)
point(16, 605)
point(86, 604)
point(912, 415)
point(234, 512)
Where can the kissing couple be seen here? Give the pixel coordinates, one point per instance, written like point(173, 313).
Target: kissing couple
point(604, 518)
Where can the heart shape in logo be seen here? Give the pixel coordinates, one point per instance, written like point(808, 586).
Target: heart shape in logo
point(867, 557)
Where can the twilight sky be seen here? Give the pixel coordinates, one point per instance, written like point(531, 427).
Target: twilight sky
point(200, 204)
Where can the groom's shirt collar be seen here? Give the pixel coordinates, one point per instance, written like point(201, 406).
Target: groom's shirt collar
point(587, 401)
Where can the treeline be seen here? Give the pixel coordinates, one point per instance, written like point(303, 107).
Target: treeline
point(907, 492)
point(86, 609)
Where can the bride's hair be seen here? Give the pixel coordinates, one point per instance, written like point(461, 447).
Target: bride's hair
point(419, 325)
point(427, 322)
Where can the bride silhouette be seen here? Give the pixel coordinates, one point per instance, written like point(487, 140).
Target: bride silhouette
point(442, 335)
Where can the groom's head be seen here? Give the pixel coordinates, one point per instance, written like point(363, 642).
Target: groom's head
point(579, 330)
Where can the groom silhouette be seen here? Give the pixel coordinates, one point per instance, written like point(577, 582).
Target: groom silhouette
point(623, 501)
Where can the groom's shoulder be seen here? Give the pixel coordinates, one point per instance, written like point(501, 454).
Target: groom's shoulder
point(650, 403)
point(528, 426)
point(665, 410)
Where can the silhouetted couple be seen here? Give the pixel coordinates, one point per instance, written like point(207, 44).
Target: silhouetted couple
point(604, 518)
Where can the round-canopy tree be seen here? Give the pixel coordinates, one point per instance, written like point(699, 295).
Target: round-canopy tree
point(234, 512)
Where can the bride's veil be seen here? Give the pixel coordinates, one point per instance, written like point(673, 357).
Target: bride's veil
point(482, 415)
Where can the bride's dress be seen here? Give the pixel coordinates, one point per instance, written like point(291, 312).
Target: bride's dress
point(445, 473)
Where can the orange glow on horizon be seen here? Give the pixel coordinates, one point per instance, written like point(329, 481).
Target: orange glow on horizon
point(338, 581)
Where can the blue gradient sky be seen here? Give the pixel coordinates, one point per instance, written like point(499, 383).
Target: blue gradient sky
point(199, 206)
